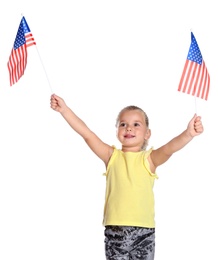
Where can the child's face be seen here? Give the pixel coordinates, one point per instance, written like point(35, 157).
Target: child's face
point(132, 130)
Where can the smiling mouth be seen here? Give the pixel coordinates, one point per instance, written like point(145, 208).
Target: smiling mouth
point(129, 136)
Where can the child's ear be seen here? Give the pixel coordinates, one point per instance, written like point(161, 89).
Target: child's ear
point(147, 134)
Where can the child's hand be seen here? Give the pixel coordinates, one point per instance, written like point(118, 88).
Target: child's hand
point(195, 126)
point(57, 103)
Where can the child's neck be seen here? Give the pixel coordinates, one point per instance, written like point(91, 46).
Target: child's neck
point(131, 149)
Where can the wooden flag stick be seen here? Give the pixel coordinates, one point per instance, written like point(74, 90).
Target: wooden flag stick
point(44, 70)
point(42, 65)
point(195, 105)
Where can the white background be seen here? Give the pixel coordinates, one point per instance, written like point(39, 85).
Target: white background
point(101, 56)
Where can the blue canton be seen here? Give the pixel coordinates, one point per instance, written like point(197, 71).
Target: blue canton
point(22, 30)
point(194, 53)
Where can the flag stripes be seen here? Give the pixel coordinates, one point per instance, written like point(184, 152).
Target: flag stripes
point(195, 79)
point(18, 58)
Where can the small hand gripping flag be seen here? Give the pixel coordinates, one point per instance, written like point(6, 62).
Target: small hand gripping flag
point(18, 58)
point(195, 78)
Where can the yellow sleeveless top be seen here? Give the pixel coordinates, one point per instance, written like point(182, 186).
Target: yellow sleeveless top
point(129, 198)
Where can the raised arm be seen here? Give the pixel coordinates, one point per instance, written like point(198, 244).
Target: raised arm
point(101, 149)
point(162, 154)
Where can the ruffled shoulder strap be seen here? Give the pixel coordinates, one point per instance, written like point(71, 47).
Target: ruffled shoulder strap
point(146, 163)
point(115, 152)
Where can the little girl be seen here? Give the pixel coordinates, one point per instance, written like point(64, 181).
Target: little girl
point(130, 174)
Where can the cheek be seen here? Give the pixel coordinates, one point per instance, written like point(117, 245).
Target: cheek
point(120, 132)
point(117, 132)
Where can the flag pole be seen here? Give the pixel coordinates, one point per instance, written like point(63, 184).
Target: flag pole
point(195, 95)
point(195, 105)
point(44, 70)
point(42, 65)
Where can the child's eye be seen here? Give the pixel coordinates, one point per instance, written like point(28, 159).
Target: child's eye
point(122, 124)
point(136, 124)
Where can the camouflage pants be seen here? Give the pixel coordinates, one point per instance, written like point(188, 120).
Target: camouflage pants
point(129, 243)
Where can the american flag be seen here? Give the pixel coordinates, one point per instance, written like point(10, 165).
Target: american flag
point(18, 58)
point(195, 78)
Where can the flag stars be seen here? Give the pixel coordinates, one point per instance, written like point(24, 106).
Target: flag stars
point(20, 38)
point(194, 53)
point(22, 30)
point(25, 26)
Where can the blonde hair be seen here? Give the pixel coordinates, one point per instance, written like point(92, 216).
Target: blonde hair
point(130, 108)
